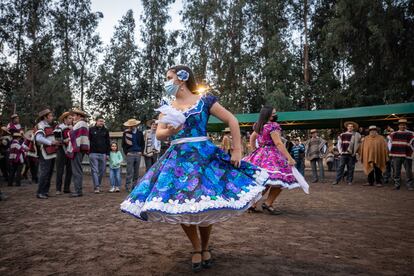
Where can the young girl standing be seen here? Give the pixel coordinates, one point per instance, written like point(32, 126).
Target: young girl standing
point(115, 160)
point(195, 183)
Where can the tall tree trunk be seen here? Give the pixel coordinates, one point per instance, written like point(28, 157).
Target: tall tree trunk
point(19, 47)
point(81, 87)
point(306, 54)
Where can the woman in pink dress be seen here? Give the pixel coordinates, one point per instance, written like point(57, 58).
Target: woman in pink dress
point(270, 153)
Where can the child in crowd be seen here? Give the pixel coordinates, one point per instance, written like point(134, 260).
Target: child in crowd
point(17, 157)
point(115, 160)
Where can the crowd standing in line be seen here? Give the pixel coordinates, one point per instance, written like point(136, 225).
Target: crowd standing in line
point(44, 148)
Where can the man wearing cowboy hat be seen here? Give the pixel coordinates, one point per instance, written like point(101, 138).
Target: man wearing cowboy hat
point(226, 141)
point(348, 145)
point(315, 150)
point(78, 146)
point(16, 158)
point(14, 125)
point(133, 145)
point(152, 144)
point(99, 152)
point(401, 151)
point(63, 164)
point(46, 143)
point(374, 156)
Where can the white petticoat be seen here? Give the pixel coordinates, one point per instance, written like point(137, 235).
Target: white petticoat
point(203, 213)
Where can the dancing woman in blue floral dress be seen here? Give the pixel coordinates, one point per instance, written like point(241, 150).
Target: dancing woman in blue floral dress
point(195, 183)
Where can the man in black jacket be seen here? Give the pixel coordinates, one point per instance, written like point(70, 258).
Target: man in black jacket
point(100, 146)
point(133, 146)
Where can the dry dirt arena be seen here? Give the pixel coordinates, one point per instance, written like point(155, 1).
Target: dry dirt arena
point(336, 230)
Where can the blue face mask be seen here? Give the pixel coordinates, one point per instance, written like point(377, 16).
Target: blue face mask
point(171, 88)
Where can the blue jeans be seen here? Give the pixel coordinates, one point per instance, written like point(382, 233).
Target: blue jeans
point(300, 165)
point(115, 177)
point(98, 167)
point(318, 161)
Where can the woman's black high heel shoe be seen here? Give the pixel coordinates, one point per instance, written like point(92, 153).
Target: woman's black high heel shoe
point(207, 263)
point(252, 210)
point(271, 210)
point(196, 267)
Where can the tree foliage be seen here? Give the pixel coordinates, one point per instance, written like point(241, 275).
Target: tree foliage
point(249, 52)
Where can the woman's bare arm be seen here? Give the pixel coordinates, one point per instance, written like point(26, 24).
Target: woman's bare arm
point(279, 144)
point(224, 115)
point(164, 131)
point(252, 140)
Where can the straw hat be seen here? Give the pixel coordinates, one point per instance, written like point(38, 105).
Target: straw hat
point(132, 123)
point(63, 116)
point(373, 128)
point(17, 134)
point(43, 113)
point(79, 112)
point(14, 116)
point(313, 130)
point(226, 130)
point(402, 121)
point(356, 126)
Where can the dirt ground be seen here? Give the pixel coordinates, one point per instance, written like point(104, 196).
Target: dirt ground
point(336, 230)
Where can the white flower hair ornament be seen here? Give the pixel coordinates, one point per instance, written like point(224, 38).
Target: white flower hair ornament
point(183, 75)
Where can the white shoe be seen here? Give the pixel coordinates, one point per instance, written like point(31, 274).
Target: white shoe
point(97, 191)
point(117, 189)
point(112, 190)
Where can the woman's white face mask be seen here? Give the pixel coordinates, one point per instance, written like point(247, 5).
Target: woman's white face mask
point(171, 88)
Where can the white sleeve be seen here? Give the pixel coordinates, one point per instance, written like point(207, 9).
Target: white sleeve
point(389, 143)
point(157, 144)
point(324, 148)
point(339, 145)
point(40, 138)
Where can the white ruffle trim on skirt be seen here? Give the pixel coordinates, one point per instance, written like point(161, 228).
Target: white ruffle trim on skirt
point(204, 212)
point(299, 183)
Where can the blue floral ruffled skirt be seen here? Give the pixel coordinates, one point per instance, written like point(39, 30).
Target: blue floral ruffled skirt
point(195, 183)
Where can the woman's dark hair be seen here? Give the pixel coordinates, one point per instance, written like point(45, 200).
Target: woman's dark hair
point(265, 114)
point(191, 82)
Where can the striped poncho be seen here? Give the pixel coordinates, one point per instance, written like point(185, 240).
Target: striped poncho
point(79, 139)
point(17, 152)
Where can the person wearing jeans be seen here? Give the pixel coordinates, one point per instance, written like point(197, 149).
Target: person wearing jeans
point(78, 146)
point(133, 145)
point(99, 151)
point(152, 145)
point(115, 160)
point(47, 144)
point(401, 146)
point(348, 146)
point(298, 152)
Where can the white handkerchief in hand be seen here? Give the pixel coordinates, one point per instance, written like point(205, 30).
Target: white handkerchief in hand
point(301, 180)
point(171, 116)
